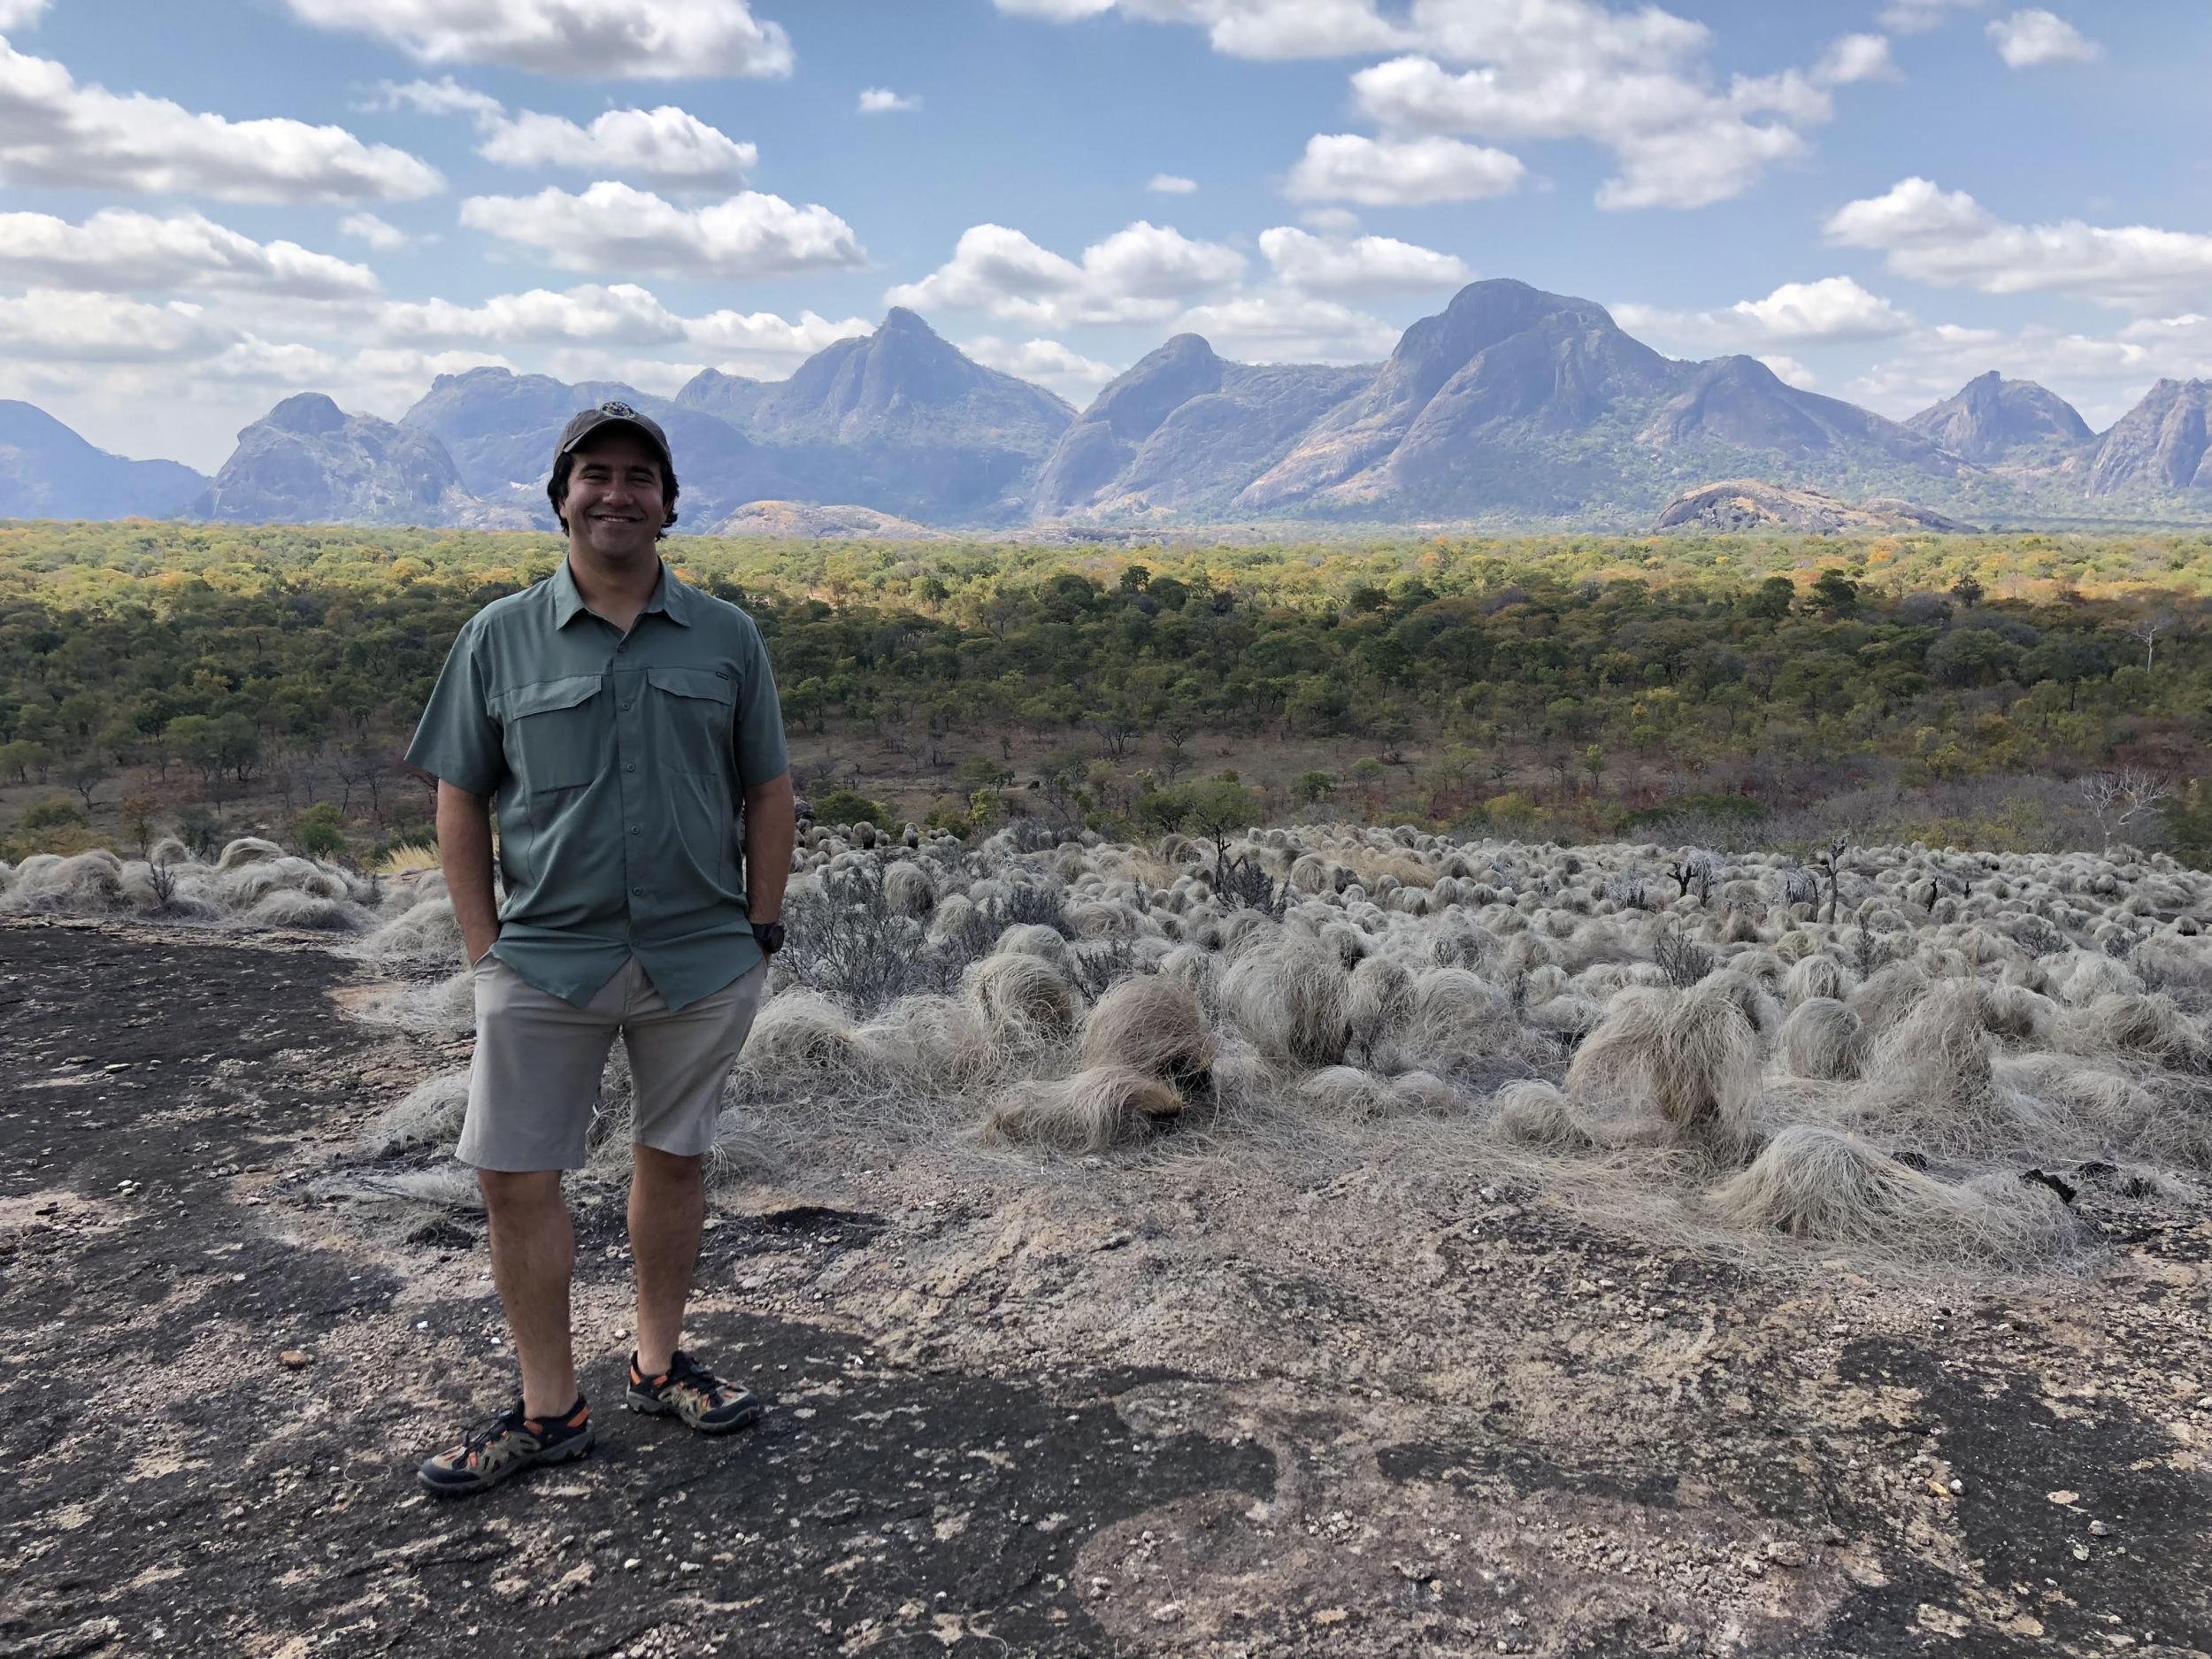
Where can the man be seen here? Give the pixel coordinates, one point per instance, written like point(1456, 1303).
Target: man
point(616, 717)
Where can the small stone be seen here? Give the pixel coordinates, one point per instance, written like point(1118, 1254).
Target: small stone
point(293, 1359)
point(1116, 1240)
point(2064, 1496)
point(2081, 1552)
point(1787, 1552)
point(1167, 1613)
point(632, 1564)
point(1957, 1486)
point(1331, 1616)
point(2098, 1529)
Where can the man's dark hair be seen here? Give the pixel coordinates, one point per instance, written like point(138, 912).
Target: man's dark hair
point(565, 465)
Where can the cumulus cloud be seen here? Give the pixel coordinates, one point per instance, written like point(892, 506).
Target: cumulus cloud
point(2035, 36)
point(120, 250)
point(617, 228)
point(1947, 238)
point(666, 146)
point(1138, 274)
point(1389, 173)
point(2101, 375)
point(1274, 326)
point(1835, 311)
point(1044, 363)
point(1247, 28)
point(1854, 57)
point(1676, 143)
point(385, 238)
point(56, 132)
point(20, 14)
point(1171, 184)
point(1790, 371)
point(57, 324)
point(1364, 264)
point(618, 315)
point(1916, 17)
point(883, 101)
point(629, 39)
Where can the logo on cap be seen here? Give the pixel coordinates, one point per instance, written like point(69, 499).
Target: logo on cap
point(621, 411)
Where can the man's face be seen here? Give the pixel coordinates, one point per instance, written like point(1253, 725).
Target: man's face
point(614, 505)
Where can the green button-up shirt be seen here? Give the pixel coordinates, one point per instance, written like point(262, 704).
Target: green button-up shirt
point(618, 764)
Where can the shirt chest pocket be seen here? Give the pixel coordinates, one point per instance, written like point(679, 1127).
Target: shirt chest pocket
point(691, 711)
point(556, 732)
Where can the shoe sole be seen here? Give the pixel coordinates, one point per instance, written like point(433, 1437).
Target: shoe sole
point(564, 1452)
point(646, 1406)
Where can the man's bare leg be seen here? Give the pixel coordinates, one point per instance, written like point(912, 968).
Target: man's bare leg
point(668, 1210)
point(534, 1254)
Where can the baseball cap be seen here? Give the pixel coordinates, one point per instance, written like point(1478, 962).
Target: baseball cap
point(586, 422)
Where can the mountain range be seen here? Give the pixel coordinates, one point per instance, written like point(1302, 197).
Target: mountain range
point(1511, 407)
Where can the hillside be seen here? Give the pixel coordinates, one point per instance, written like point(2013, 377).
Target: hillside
point(308, 461)
point(47, 471)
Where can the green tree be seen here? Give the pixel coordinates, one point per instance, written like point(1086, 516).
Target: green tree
point(319, 832)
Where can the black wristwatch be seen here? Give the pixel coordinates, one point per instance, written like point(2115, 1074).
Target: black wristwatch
point(768, 936)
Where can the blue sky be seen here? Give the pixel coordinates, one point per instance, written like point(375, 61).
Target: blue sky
point(210, 207)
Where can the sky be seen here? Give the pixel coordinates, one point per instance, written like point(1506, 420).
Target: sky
point(206, 208)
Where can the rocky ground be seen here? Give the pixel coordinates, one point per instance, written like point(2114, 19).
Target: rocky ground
point(1185, 1402)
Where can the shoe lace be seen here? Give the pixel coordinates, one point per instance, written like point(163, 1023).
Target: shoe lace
point(481, 1433)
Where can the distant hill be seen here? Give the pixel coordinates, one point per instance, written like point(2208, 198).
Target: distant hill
point(900, 420)
point(1736, 506)
point(1991, 419)
point(1185, 430)
point(802, 520)
point(1510, 408)
point(47, 471)
point(308, 461)
point(2160, 446)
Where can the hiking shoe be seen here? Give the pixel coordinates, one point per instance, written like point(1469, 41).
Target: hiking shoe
point(506, 1444)
point(690, 1391)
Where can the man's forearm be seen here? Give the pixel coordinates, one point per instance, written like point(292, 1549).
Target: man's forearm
point(465, 851)
point(771, 831)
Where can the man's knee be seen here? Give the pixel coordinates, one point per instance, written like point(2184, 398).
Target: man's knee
point(519, 1193)
point(671, 1169)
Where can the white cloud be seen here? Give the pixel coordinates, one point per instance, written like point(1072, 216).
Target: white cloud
point(1947, 238)
point(666, 145)
point(1274, 326)
point(1678, 144)
point(20, 14)
point(2035, 36)
point(1918, 17)
point(442, 96)
point(1043, 363)
point(1854, 58)
point(628, 39)
point(54, 132)
point(623, 313)
point(385, 238)
point(1331, 221)
point(616, 227)
point(1171, 184)
point(883, 101)
point(1790, 371)
point(1138, 274)
point(121, 251)
point(1365, 264)
point(2101, 376)
point(762, 344)
point(1386, 173)
point(1247, 28)
point(55, 325)
point(1835, 311)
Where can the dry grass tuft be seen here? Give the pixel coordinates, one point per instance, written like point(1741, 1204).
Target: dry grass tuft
point(1088, 1112)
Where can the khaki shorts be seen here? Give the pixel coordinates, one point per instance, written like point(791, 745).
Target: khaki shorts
point(534, 1086)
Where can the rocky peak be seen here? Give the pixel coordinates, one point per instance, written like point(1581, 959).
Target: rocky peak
point(1991, 417)
point(308, 413)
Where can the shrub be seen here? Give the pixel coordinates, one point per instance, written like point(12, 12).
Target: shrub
point(847, 806)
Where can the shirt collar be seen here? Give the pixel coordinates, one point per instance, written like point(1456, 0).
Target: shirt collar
point(670, 597)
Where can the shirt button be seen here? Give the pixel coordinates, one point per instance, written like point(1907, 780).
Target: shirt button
point(630, 766)
point(632, 829)
point(627, 707)
point(637, 889)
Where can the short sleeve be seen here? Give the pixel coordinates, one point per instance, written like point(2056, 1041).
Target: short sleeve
point(761, 755)
point(457, 739)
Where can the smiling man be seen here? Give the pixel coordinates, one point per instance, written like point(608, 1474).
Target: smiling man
point(618, 720)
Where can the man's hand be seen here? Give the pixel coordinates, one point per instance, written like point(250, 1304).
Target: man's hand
point(771, 830)
point(464, 852)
